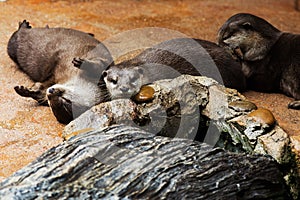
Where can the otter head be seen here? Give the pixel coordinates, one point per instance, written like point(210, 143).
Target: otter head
point(69, 100)
point(249, 37)
point(123, 82)
point(61, 107)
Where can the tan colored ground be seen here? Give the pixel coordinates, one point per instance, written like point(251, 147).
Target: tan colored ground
point(27, 130)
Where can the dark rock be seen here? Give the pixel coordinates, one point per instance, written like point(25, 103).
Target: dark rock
point(122, 162)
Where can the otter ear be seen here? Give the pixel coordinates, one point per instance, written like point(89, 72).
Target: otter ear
point(247, 26)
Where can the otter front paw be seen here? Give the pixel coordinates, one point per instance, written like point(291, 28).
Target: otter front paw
point(77, 62)
point(32, 92)
point(294, 105)
point(24, 24)
point(26, 92)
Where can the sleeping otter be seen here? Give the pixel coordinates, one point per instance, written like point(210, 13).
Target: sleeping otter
point(270, 58)
point(170, 59)
point(47, 56)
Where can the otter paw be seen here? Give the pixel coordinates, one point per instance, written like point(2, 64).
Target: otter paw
point(294, 105)
point(24, 24)
point(37, 95)
point(77, 62)
point(26, 92)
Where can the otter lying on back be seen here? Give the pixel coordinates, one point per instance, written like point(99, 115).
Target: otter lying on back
point(47, 55)
point(270, 58)
point(171, 59)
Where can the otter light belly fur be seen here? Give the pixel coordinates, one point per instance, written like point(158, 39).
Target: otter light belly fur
point(51, 57)
point(71, 99)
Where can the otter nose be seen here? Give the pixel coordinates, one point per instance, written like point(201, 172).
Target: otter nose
point(124, 89)
point(51, 90)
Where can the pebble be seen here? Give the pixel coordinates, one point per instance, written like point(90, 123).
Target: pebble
point(145, 94)
point(263, 116)
point(242, 106)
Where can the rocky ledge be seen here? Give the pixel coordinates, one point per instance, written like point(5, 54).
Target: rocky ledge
point(198, 108)
point(101, 158)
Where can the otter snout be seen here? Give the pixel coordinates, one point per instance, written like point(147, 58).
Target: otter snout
point(54, 91)
point(51, 90)
point(124, 89)
point(222, 35)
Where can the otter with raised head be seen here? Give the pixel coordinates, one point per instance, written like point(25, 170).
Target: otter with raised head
point(270, 58)
point(171, 59)
point(49, 56)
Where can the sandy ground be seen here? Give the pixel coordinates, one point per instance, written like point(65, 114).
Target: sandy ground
point(27, 130)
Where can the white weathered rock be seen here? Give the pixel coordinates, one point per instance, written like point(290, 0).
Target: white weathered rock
point(201, 109)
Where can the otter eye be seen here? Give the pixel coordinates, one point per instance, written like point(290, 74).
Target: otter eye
point(247, 26)
point(104, 74)
point(133, 79)
point(114, 81)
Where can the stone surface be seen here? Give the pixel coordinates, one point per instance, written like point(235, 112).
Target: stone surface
point(198, 108)
point(127, 163)
point(28, 130)
point(101, 116)
point(172, 98)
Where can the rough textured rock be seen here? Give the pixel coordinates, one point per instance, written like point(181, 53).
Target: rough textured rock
point(198, 108)
point(128, 163)
point(101, 116)
point(106, 18)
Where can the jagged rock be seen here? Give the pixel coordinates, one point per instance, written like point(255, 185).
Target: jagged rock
point(198, 108)
point(101, 116)
point(265, 145)
point(122, 162)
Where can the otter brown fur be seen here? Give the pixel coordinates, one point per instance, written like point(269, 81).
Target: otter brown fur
point(171, 59)
point(270, 58)
point(47, 56)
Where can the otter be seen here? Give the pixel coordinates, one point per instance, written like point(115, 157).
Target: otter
point(270, 58)
point(170, 59)
point(50, 56)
